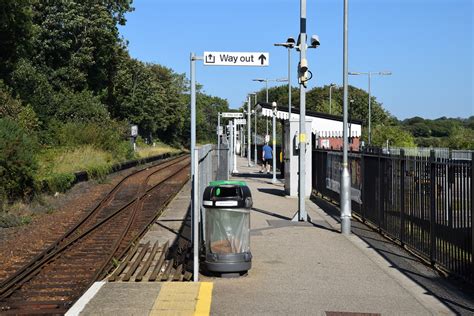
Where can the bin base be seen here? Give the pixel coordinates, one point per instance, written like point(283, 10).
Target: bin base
point(228, 267)
point(227, 263)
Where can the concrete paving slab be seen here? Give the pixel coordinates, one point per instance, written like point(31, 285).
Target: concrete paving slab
point(311, 269)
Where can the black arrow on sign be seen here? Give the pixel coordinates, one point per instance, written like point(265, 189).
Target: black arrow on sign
point(262, 59)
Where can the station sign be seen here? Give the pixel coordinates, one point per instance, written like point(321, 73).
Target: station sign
point(255, 59)
point(134, 130)
point(232, 114)
point(240, 121)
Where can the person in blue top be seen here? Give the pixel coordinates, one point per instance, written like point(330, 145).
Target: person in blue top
point(267, 156)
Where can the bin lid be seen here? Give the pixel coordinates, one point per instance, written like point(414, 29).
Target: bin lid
point(227, 182)
point(227, 194)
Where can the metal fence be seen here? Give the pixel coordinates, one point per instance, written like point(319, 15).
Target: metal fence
point(425, 202)
point(213, 165)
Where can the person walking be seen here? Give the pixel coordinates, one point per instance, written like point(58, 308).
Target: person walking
point(267, 156)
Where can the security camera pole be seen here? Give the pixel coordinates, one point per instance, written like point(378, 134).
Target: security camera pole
point(302, 216)
point(345, 177)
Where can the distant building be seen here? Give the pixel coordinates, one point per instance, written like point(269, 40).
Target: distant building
point(326, 128)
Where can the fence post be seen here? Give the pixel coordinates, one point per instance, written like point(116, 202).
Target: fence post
point(362, 186)
point(402, 196)
point(380, 191)
point(432, 207)
point(472, 218)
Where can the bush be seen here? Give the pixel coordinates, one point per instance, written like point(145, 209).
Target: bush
point(17, 160)
point(107, 136)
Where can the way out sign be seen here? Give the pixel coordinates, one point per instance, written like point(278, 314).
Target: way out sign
point(256, 59)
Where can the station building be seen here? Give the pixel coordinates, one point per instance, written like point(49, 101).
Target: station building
point(326, 129)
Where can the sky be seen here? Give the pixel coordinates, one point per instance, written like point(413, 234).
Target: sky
point(426, 44)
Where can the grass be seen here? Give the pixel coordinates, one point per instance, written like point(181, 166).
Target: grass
point(58, 165)
point(145, 151)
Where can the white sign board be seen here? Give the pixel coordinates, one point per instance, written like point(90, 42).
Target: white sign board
point(219, 130)
point(257, 59)
point(232, 114)
point(134, 130)
point(240, 121)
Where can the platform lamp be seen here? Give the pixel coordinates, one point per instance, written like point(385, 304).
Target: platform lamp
point(258, 111)
point(369, 75)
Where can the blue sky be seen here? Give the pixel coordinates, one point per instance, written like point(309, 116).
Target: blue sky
point(426, 44)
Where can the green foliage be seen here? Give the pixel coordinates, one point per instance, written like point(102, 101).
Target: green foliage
point(395, 135)
point(461, 138)
point(104, 136)
point(13, 109)
point(17, 160)
point(15, 30)
point(57, 182)
point(442, 132)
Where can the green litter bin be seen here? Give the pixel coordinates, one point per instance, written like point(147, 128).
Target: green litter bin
point(227, 205)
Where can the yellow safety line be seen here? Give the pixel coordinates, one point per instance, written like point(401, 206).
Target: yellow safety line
point(203, 305)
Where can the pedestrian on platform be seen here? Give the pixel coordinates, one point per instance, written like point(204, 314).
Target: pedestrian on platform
point(267, 156)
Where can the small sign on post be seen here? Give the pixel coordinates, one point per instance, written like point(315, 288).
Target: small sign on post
point(232, 114)
point(240, 122)
point(256, 59)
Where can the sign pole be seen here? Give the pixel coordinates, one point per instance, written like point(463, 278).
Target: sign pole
point(193, 167)
point(249, 136)
point(218, 138)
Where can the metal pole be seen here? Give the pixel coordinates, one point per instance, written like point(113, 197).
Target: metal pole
point(289, 83)
point(330, 98)
point(345, 177)
point(249, 135)
point(370, 113)
point(195, 217)
point(234, 142)
point(255, 133)
point(274, 179)
point(218, 138)
point(266, 100)
point(302, 216)
point(193, 167)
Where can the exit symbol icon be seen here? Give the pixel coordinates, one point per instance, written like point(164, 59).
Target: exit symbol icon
point(211, 59)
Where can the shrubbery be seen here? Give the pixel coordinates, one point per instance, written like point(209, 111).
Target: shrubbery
point(18, 163)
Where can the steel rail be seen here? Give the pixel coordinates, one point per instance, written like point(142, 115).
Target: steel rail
point(46, 256)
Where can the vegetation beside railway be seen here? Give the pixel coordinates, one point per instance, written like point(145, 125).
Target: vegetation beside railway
point(69, 91)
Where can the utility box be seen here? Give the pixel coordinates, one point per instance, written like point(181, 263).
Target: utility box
point(227, 205)
point(291, 157)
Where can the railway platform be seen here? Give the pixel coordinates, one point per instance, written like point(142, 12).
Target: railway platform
point(297, 269)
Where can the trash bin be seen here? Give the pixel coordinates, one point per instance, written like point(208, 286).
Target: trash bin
point(227, 205)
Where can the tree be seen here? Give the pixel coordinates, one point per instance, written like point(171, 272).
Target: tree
point(15, 30)
point(395, 135)
point(461, 138)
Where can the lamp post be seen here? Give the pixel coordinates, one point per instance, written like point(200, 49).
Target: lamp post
point(345, 202)
point(274, 108)
point(332, 85)
point(266, 89)
point(369, 75)
point(255, 130)
point(290, 43)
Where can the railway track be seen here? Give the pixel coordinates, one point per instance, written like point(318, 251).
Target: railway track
point(53, 280)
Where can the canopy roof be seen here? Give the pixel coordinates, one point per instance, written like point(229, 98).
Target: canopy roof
point(322, 125)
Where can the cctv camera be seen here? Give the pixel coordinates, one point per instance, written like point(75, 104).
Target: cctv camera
point(315, 41)
point(303, 66)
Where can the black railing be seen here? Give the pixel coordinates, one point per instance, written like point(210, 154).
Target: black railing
point(424, 202)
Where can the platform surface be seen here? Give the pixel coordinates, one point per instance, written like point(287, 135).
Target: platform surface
point(297, 269)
